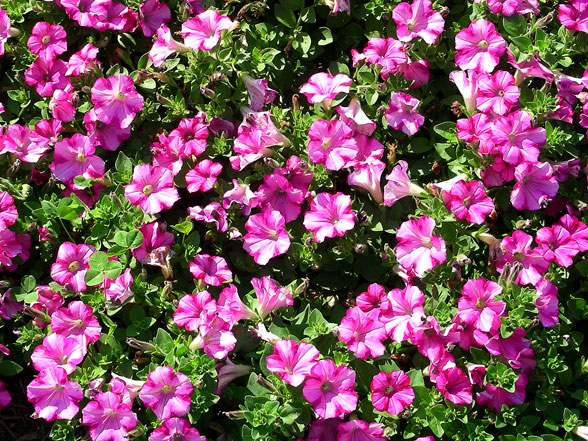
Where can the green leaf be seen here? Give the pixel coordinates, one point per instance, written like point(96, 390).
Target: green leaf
point(124, 166)
point(523, 43)
point(28, 283)
point(285, 16)
point(9, 368)
point(515, 24)
point(94, 277)
point(164, 342)
point(98, 260)
point(113, 269)
point(134, 239)
point(184, 227)
point(447, 130)
point(116, 250)
point(324, 36)
point(49, 208)
point(416, 378)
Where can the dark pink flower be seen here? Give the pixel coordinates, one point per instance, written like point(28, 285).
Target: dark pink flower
point(454, 385)
point(332, 144)
point(153, 15)
point(418, 19)
point(8, 307)
point(83, 61)
point(270, 296)
point(362, 334)
point(5, 398)
point(574, 15)
point(468, 201)
point(116, 101)
point(418, 249)
point(479, 47)
point(402, 113)
point(58, 351)
point(402, 311)
point(497, 93)
point(478, 305)
point(152, 189)
point(292, 361)
point(535, 185)
point(71, 265)
point(48, 301)
point(276, 193)
point(108, 417)
point(195, 310)
point(53, 396)
point(8, 212)
point(323, 87)
point(47, 75)
point(4, 31)
point(203, 176)
point(166, 393)
point(203, 32)
point(75, 157)
point(391, 392)
point(387, 53)
point(266, 236)
point(108, 136)
point(329, 216)
point(77, 320)
point(213, 213)
point(516, 138)
point(47, 40)
point(557, 245)
point(517, 248)
point(212, 270)
point(547, 303)
point(359, 430)
point(176, 429)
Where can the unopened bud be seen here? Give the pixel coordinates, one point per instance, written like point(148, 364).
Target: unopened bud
point(140, 345)
point(462, 260)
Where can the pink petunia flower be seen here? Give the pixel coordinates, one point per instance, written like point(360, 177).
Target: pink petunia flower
point(167, 394)
point(399, 185)
point(48, 301)
point(332, 144)
point(478, 305)
point(418, 249)
point(83, 61)
point(517, 248)
point(227, 372)
point(203, 32)
point(78, 321)
point(266, 236)
point(53, 396)
point(212, 270)
point(511, 7)
point(23, 143)
point(75, 157)
point(270, 296)
point(402, 311)
point(547, 303)
point(276, 193)
point(497, 93)
point(195, 310)
point(479, 47)
point(418, 19)
point(216, 338)
point(109, 417)
point(153, 14)
point(4, 30)
point(517, 139)
point(557, 245)
point(468, 201)
point(370, 301)
point(249, 146)
point(108, 136)
point(259, 93)
point(58, 351)
point(362, 334)
point(535, 185)
point(164, 46)
point(116, 101)
point(454, 385)
point(203, 176)
point(8, 307)
point(574, 15)
point(152, 189)
point(356, 118)
point(119, 290)
point(402, 113)
point(47, 75)
point(230, 306)
point(47, 40)
point(213, 213)
point(359, 430)
point(5, 397)
point(391, 392)
point(331, 389)
point(156, 246)
point(385, 52)
point(8, 212)
point(329, 216)
point(62, 105)
point(292, 361)
point(71, 265)
point(495, 397)
point(176, 429)
point(323, 87)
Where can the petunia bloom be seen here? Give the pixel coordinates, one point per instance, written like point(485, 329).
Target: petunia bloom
point(418, 19)
point(329, 216)
point(75, 157)
point(270, 296)
point(323, 87)
point(53, 396)
point(391, 392)
point(332, 144)
point(292, 361)
point(116, 101)
point(47, 40)
point(362, 334)
point(152, 189)
point(468, 201)
point(77, 321)
point(479, 47)
point(58, 351)
point(418, 249)
point(266, 236)
point(212, 270)
point(167, 394)
point(203, 32)
point(535, 186)
point(478, 305)
point(402, 113)
point(109, 417)
point(176, 429)
point(71, 265)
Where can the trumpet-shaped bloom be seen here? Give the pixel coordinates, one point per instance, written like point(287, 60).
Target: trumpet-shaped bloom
point(368, 176)
point(71, 265)
point(497, 93)
point(230, 306)
point(109, 417)
point(547, 303)
point(53, 396)
point(83, 61)
point(167, 394)
point(164, 46)
point(399, 185)
point(47, 40)
point(266, 236)
point(153, 15)
point(557, 245)
point(418, 249)
point(212, 270)
point(203, 32)
point(78, 321)
point(359, 430)
point(402, 113)
point(203, 176)
point(324, 86)
point(517, 248)
point(270, 296)
point(517, 139)
point(4, 34)
point(47, 75)
point(391, 392)
point(226, 373)
point(216, 338)
point(574, 15)
point(332, 144)
point(195, 310)
point(478, 305)
point(479, 47)
point(331, 389)
point(213, 213)
point(468, 201)
point(75, 157)
point(329, 216)
point(259, 93)
point(292, 361)
point(362, 334)
point(152, 188)
point(156, 244)
point(385, 52)
point(418, 19)
point(276, 193)
point(119, 289)
point(402, 311)
point(535, 185)
point(176, 429)
point(58, 351)
point(8, 212)
point(356, 118)
point(116, 101)
point(454, 385)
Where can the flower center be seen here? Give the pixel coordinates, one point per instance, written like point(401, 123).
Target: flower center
point(500, 93)
point(80, 157)
point(480, 304)
point(74, 266)
point(46, 39)
point(120, 96)
point(326, 387)
point(80, 324)
point(483, 44)
point(147, 190)
point(326, 144)
point(389, 390)
point(63, 359)
point(167, 389)
point(410, 26)
point(518, 255)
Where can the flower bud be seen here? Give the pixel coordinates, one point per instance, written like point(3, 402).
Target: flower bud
point(140, 345)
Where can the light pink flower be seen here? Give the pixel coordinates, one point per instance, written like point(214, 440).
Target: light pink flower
point(203, 176)
point(478, 305)
point(329, 216)
point(4, 33)
point(356, 118)
point(152, 189)
point(47, 75)
point(77, 320)
point(249, 146)
point(212, 270)
point(276, 193)
point(153, 14)
point(203, 32)
point(47, 40)
point(108, 136)
point(417, 20)
point(331, 389)
point(399, 185)
point(359, 430)
point(116, 101)
point(53, 396)
point(454, 385)
point(58, 351)
point(402, 311)
point(362, 334)
point(516, 138)
point(418, 249)
point(497, 93)
point(259, 93)
point(547, 303)
point(195, 310)
point(164, 46)
point(216, 338)
point(119, 290)
point(402, 113)
point(323, 86)
point(83, 61)
point(535, 185)
point(479, 47)
point(166, 393)
point(266, 236)
point(368, 176)
point(75, 157)
point(292, 361)
point(108, 417)
point(71, 265)
point(213, 213)
point(332, 144)
point(468, 201)
point(517, 248)
point(23, 143)
point(391, 392)
point(467, 83)
point(387, 53)
point(176, 429)
point(156, 246)
point(270, 296)
point(230, 306)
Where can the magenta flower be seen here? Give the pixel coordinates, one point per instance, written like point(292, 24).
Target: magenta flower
point(216, 338)
point(212, 270)
point(402, 113)
point(517, 248)
point(535, 186)
point(58, 351)
point(368, 177)
point(418, 249)
point(479, 47)
point(108, 136)
point(8, 212)
point(83, 61)
point(228, 372)
point(108, 417)
point(418, 20)
point(517, 139)
point(454, 385)
point(192, 134)
point(359, 430)
point(47, 75)
point(266, 236)
point(332, 144)
point(5, 398)
point(203, 32)
point(119, 290)
point(497, 93)
point(511, 7)
point(259, 94)
point(292, 361)
point(4, 33)
point(478, 305)
point(152, 189)
point(167, 394)
point(77, 320)
point(195, 310)
point(75, 157)
point(116, 101)
point(249, 146)
point(53, 396)
point(203, 176)
point(276, 193)
point(47, 40)
point(387, 53)
point(362, 334)
point(176, 429)
point(8, 307)
point(329, 216)
point(24, 143)
point(323, 87)
point(48, 301)
point(153, 15)
point(156, 246)
point(370, 301)
point(164, 46)
point(356, 118)
point(557, 245)
point(495, 397)
point(402, 311)
point(468, 201)
point(399, 185)
point(213, 213)
point(71, 265)
point(331, 389)
point(230, 306)
point(574, 15)
point(270, 296)
point(62, 106)
point(391, 392)
point(547, 303)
